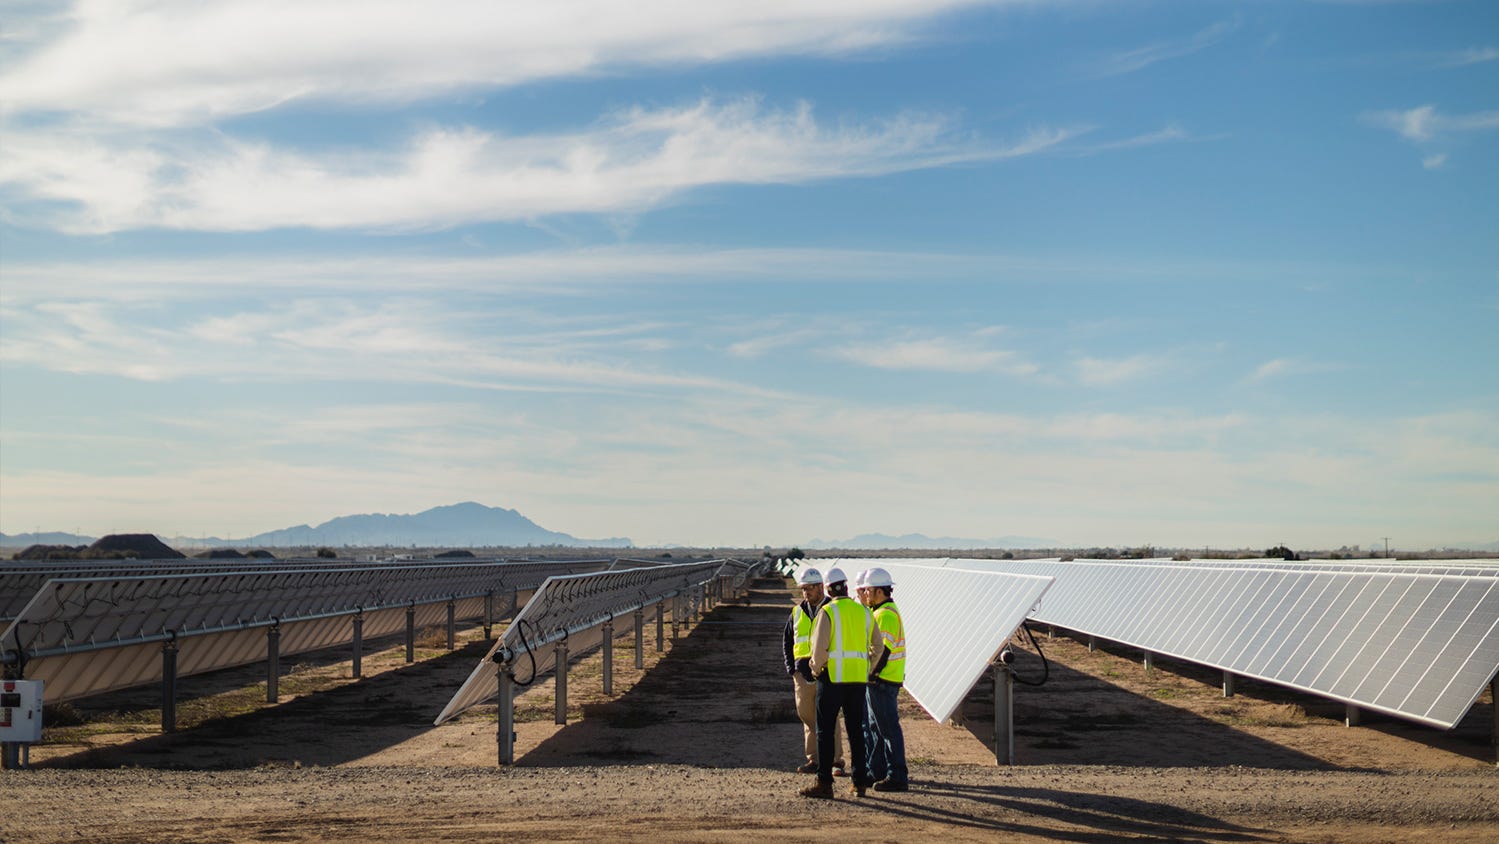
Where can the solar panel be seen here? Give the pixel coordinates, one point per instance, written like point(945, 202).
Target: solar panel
point(1413, 641)
point(571, 609)
point(88, 635)
point(956, 621)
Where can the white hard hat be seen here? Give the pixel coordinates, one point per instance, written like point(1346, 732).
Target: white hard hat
point(808, 576)
point(835, 576)
point(878, 578)
point(861, 579)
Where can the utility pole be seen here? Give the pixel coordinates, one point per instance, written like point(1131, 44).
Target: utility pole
point(1386, 546)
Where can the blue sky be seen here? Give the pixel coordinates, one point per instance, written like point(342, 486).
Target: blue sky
point(1203, 273)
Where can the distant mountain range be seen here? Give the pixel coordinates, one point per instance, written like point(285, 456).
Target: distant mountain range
point(874, 541)
point(466, 525)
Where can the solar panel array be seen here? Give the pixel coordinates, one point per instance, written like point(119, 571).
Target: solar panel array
point(1417, 641)
point(572, 609)
point(84, 635)
point(956, 621)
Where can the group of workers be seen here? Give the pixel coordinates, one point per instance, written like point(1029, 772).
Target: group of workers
point(848, 657)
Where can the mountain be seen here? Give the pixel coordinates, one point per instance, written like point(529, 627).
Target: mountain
point(873, 541)
point(22, 540)
point(464, 525)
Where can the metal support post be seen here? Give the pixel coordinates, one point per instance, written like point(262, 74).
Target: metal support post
point(640, 638)
point(411, 633)
point(1004, 715)
point(1494, 701)
point(1149, 662)
point(561, 683)
point(488, 614)
point(358, 644)
point(1228, 684)
point(609, 657)
point(452, 625)
point(660, 626)
point(273, 663)
point(506, 730)
point(1092, 644)
point(1051, 632)
point(1352, 715)
point(169, 686)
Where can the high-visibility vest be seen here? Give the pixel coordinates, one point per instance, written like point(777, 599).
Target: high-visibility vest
point(801, 646)
point(848, 649)
point(887, 616)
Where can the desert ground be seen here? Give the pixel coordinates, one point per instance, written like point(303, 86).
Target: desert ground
point(701, 743)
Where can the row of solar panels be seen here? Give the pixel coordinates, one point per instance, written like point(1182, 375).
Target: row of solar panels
point(573, 611)
point(105, 630)
point(1418, 641)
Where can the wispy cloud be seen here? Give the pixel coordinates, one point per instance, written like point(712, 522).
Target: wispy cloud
point(635, 160)
point(1130, 61)
point(1426, 123)
point(1107, 371)
point(1281, 367)
point(148, 62)
point(936, 354)
point(396, 341)
point(1470, 56)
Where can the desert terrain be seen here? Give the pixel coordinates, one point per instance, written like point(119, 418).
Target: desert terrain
point(701, 743)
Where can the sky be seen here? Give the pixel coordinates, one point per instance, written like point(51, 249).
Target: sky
point(1200, 273)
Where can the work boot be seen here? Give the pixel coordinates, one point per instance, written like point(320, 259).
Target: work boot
point(858, 786)
point(820, 791)
point(809, 768)
point(839, 770)
point(888, 784)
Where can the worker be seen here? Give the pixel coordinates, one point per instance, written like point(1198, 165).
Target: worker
point(797, 644)
point(886, 742)
point(845, 643)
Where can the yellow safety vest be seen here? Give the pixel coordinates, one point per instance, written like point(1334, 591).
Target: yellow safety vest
point(848, 651)
point(887, 616)
point(801, 646)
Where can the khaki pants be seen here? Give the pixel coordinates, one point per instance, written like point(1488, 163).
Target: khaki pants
point(806, 709)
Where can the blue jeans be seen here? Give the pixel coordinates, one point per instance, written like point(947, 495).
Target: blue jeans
point(886, 742)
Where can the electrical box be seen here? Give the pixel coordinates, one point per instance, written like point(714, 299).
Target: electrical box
point(21, 711)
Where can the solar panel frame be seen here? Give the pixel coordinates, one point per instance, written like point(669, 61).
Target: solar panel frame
point(1378, 636)
point(572, 609)
point(219, 619)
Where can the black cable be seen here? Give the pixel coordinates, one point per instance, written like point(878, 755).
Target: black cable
point(1045, 666)
point(520, 628)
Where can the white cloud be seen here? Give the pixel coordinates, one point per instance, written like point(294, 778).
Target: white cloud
point(176, 62)
point(1434, 162)
point(1470, 56)
point(635, 160)
point(1426, 123)
point(1129, 61)
point(1280, 367)
point(396, 341)
point(1104, 371)
point(937, 354)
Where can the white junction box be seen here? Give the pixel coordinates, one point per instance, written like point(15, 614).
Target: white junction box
point(21, 711)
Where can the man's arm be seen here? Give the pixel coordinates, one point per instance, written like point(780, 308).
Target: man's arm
point(822, 637)
point(787, 638)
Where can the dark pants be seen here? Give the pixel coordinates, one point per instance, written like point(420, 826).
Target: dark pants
point(887, 744)
point(847, 698)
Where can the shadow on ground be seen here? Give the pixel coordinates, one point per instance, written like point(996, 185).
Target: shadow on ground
point(1078, 718)
point(1092, 817)
point(718, 697)
point(327, 727)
